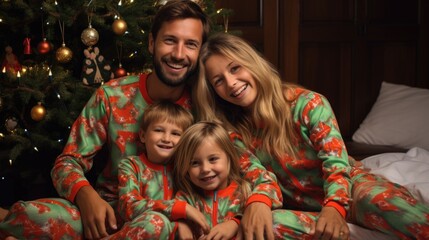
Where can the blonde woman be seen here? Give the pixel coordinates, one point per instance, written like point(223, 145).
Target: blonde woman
point(294, 133)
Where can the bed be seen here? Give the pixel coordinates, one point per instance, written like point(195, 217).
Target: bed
point(393, 141)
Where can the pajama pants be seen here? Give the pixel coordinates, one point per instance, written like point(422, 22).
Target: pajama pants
point(149, 225)
point(57, 218)
point(377, 204)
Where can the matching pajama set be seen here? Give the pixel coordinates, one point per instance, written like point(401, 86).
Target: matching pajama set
point(217, 206)
point(145, 199)
point(320, 176)
point(112, 118)
point(149, 210)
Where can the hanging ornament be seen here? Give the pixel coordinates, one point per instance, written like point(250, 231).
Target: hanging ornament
point(119, 72)
point(44, 46)
point(11, 124)
point(27, 46)
point(89, 36)
point(38, 112)
point(63, 54)
point(119, 26)
point(10, 62)
point(95, 70)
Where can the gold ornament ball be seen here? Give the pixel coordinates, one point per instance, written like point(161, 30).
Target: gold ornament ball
point(89, 36)
point(64, 54)
point(38, 112)
point(119, 27)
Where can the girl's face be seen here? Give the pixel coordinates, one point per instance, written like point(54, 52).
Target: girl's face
point(231, 81)
point(209, 167)
point(160, 138)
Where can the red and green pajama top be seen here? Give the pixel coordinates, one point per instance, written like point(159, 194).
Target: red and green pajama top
point(319, 175)
point(111, 117)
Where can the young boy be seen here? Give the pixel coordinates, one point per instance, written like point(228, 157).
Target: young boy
point(145, 181)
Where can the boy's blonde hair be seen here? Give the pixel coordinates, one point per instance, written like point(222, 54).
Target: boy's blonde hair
point(186, 148)
point(166, 111)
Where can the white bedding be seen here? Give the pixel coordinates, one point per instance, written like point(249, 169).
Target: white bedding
point(410, 169)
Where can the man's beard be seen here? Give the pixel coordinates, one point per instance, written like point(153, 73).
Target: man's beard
point(170, 81)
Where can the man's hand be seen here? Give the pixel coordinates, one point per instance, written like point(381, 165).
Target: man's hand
point(257, 222)
point(95, 213)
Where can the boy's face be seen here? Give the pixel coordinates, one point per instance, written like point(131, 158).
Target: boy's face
point(160, 138)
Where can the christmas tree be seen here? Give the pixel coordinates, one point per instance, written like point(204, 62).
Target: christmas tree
point(55, 54)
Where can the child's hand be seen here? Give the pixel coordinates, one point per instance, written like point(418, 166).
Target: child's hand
point(225, 230)
point(197, 217)
point(185, 232)
point(330, 225)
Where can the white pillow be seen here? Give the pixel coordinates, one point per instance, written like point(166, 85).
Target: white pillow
point(399, 117)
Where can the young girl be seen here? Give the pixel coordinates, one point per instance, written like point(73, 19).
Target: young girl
point(207, 175)
point(294, 133)
point(145, 184)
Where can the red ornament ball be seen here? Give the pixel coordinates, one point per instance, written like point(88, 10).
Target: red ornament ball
point(44, 47)
point(120, 72)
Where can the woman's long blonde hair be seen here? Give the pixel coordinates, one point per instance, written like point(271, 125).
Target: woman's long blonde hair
point(188, 145)
point(270, 118)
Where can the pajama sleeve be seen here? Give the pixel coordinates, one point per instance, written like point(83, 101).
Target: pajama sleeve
point(87, 136)
point(137, 195)
point(319, 128)
point(264, 183)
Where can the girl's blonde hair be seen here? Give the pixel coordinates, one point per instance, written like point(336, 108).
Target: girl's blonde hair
point(188, 145)
point(270, 118)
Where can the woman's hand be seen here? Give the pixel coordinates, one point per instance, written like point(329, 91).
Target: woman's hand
point(330, 225)
point(257, 222)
